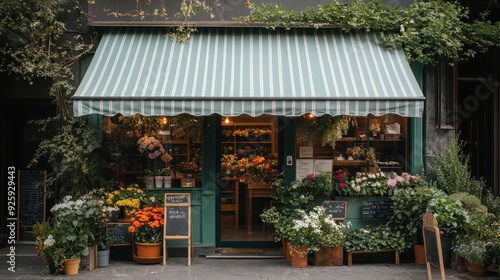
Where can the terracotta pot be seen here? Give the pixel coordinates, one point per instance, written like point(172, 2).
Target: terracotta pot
point(286, 250)
point(148, 250)
point(419, 252)
point(299, 256)
point(71, 266)
point(329, 256)
point(476, 269)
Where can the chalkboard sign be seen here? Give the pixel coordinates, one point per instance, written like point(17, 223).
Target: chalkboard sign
point(177, 220)
point(376, 210)
point(432, 244)
point(118, 233)
point(177, 198)
point(337, 209)
point(31, 197)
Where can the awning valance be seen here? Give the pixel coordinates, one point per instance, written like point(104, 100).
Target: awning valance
point(233, 71)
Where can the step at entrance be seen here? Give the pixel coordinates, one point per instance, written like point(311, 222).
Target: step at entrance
point(245, 253)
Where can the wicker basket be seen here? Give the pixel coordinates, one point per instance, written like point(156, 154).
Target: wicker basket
point(392, 136)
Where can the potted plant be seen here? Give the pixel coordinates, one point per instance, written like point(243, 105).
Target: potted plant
point(301, 232)
point(128, 197)
point(475, 252)
point(409, 205)
point(47, 247)
point(374, 239)
point(332, 237)
point(324, 130)
point(71, 222)
point(147, 229)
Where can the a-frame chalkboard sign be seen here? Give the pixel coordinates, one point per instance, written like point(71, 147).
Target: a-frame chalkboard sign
point(31, 199)
point(177, 223)
point(432, 245)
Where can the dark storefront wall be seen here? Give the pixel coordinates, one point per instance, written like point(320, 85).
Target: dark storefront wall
point(477, 115)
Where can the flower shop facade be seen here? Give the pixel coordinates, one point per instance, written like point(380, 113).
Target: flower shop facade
point(241, 80)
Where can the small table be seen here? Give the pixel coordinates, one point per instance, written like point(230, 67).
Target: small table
point(255, 190)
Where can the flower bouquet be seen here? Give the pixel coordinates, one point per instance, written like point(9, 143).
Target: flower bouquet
point(155, 153)
point(147, 224)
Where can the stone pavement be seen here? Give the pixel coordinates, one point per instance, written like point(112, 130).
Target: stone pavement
point(30, 266)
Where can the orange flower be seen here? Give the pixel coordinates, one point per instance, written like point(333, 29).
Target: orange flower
point(147, 226)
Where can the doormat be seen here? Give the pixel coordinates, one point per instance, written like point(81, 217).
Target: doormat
point(246, 253)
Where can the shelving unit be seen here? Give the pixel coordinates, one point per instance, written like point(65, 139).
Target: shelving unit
point(234, 140)
point(391, 153)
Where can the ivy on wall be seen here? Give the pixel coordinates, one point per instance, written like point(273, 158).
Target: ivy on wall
point(425, 30)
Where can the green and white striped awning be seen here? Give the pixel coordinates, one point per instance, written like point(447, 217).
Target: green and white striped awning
point(233, 71)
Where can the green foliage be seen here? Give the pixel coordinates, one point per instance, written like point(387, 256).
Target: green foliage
point(324, 130)
point(470, 203)
point(449, 213)
point(451, 170)
point(34, 45)
point(374, 239)
point(72, 154)
point(409, 206)
point(426, 30)
point(474, 251)
point(493, 204)
point(287, 198)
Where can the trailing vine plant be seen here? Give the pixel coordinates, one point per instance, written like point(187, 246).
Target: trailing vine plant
point(187, 9)
point(426, 30)
point(323, 130)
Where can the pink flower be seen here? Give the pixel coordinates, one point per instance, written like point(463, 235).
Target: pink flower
point(342, 185)
point(310, 177)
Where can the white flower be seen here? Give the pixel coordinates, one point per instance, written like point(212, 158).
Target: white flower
point(402, 28)
point(49, 241)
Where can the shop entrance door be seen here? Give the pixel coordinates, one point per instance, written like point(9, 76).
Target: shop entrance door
point(244, 189)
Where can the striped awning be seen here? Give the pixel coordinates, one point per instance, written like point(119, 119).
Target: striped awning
point(233, 71)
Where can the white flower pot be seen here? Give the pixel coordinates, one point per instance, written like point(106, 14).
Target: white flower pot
point(167, 181)
point(159, 181)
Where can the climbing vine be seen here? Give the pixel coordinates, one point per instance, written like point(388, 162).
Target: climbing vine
point(426, 30)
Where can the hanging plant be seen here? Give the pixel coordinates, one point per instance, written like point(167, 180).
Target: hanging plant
point(324, 130)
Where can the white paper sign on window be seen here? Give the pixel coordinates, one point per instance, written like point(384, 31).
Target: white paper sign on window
point(322, 165)
point(304, 168)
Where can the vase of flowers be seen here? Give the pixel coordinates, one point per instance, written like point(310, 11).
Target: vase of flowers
point(156, 156)
point(375, 128)
point(147, 229)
